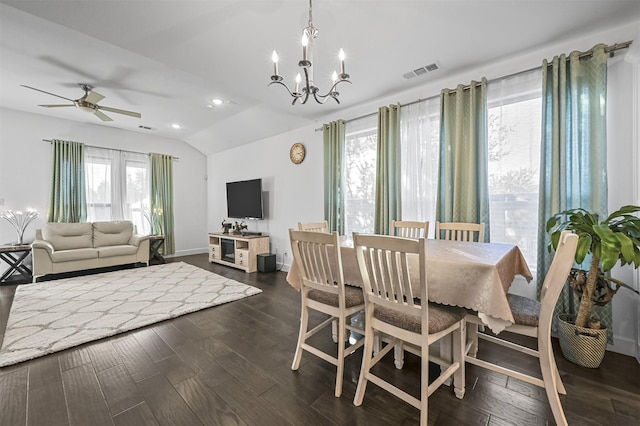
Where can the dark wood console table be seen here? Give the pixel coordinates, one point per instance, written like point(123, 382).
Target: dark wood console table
point(155, 244)
point(14, 256)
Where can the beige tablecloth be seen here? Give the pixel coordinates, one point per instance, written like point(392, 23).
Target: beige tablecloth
point(471, 275)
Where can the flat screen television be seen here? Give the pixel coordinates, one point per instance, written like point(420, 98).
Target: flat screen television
point(244, 199)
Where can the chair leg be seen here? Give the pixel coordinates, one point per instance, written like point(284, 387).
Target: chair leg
point(304, 320)
point(340, 372)
point(548, 377)
point(424, 385)
point(559, 384)
point(376, 344)
point(334, 331)
point(398, 355)
point(472, 337)
point(367, 356)
point(459, 346)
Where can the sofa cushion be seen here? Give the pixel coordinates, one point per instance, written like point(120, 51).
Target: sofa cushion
point(74, 254)
point(111, 251)
point(68, 236)
point(112, 233)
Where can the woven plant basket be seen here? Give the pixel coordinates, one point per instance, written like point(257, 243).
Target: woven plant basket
point(582, 346)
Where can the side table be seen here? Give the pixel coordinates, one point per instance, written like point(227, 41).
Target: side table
point(155, 244)
point(14, 256)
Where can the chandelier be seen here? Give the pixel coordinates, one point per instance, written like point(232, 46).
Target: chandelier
point(308, 86)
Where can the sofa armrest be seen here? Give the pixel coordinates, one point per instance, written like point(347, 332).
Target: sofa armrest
point(136, 239)
point(42, 244)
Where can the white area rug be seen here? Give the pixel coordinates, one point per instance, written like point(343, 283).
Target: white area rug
point(51, 316)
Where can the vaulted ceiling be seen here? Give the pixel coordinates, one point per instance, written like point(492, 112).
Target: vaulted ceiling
point(168, 59)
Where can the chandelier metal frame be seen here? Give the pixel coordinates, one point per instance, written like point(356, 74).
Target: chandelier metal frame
point(309, 89)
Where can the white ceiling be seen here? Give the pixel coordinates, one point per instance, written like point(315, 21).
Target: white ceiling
point(167, 59)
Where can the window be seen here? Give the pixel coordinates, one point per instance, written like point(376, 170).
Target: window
point(514, 125)
point(420, 142)
point(361, 139)
point(117, 186)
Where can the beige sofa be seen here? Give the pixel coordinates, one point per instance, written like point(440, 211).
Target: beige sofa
point(64, 247)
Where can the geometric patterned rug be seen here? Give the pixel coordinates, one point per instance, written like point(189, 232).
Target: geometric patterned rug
point(50, 316)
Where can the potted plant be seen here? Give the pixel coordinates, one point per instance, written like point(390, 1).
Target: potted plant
point(583, 339)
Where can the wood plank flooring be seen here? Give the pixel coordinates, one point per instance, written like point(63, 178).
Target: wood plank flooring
point(230, 365)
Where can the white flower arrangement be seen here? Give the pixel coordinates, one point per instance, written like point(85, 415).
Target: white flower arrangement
point(20, 221)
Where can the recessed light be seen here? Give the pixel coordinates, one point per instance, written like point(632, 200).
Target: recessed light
point(217, 101)
point(176, 126)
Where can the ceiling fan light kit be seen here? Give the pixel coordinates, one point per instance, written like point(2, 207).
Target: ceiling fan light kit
point(308, 86)
point(88, 103)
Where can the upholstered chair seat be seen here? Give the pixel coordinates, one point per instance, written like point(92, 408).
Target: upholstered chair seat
point(525, 311)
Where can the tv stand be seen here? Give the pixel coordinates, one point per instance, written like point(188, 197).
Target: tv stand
point(237, 251)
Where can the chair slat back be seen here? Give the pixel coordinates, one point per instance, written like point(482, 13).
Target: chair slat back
point(314, 226)
point(409, 229)
point(319, 261)
point(384, 263)
point(460, 231)
point(556, 277)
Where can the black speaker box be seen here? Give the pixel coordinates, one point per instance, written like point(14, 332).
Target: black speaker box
point(266, 262)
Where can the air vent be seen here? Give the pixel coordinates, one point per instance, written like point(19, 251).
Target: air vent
point(144, 127)
point(421, 71)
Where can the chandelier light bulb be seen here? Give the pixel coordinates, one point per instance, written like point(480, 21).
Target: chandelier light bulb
point(334, 76)
point(305, 43)
point(274, 58)
point(341, 56)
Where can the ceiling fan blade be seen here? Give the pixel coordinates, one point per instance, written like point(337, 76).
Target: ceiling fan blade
point(94, 97)
point(102, 116)
point(57, 105)
point(120, 111)
point(48, 93)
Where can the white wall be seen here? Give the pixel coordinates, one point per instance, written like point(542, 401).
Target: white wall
point(25, 170)
point(291, 192)
point(296, 193)
point(620, 172)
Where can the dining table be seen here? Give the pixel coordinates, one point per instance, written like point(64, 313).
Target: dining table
point(472, 275)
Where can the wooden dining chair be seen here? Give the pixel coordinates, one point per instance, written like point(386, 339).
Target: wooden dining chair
point(314, 226)
point(533, 319)
point(319, 262)
point(409, 228)
point(460, 231)
point(392, 308)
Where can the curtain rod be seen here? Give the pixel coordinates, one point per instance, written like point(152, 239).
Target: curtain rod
point(113, 149)
point(608, 49)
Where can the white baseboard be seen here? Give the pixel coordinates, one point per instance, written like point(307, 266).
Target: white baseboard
point(283, 267)
point(624, 346)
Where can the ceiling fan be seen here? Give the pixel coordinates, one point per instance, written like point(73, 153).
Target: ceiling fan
point(88, 103)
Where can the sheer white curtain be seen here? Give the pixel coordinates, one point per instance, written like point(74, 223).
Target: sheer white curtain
point(361, 138)
point(117, 186)
point(514, 160)
point(420, 138)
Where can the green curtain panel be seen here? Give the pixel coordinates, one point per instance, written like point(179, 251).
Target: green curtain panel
point(333, 141)
point(463, 188)
point(388, 176)
point(162, 199)
point(67, 202)
point(573, 158)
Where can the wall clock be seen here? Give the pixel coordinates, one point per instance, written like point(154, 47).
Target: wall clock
point(296, 153)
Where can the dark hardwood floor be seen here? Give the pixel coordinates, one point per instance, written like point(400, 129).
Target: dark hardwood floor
point(230, 365)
